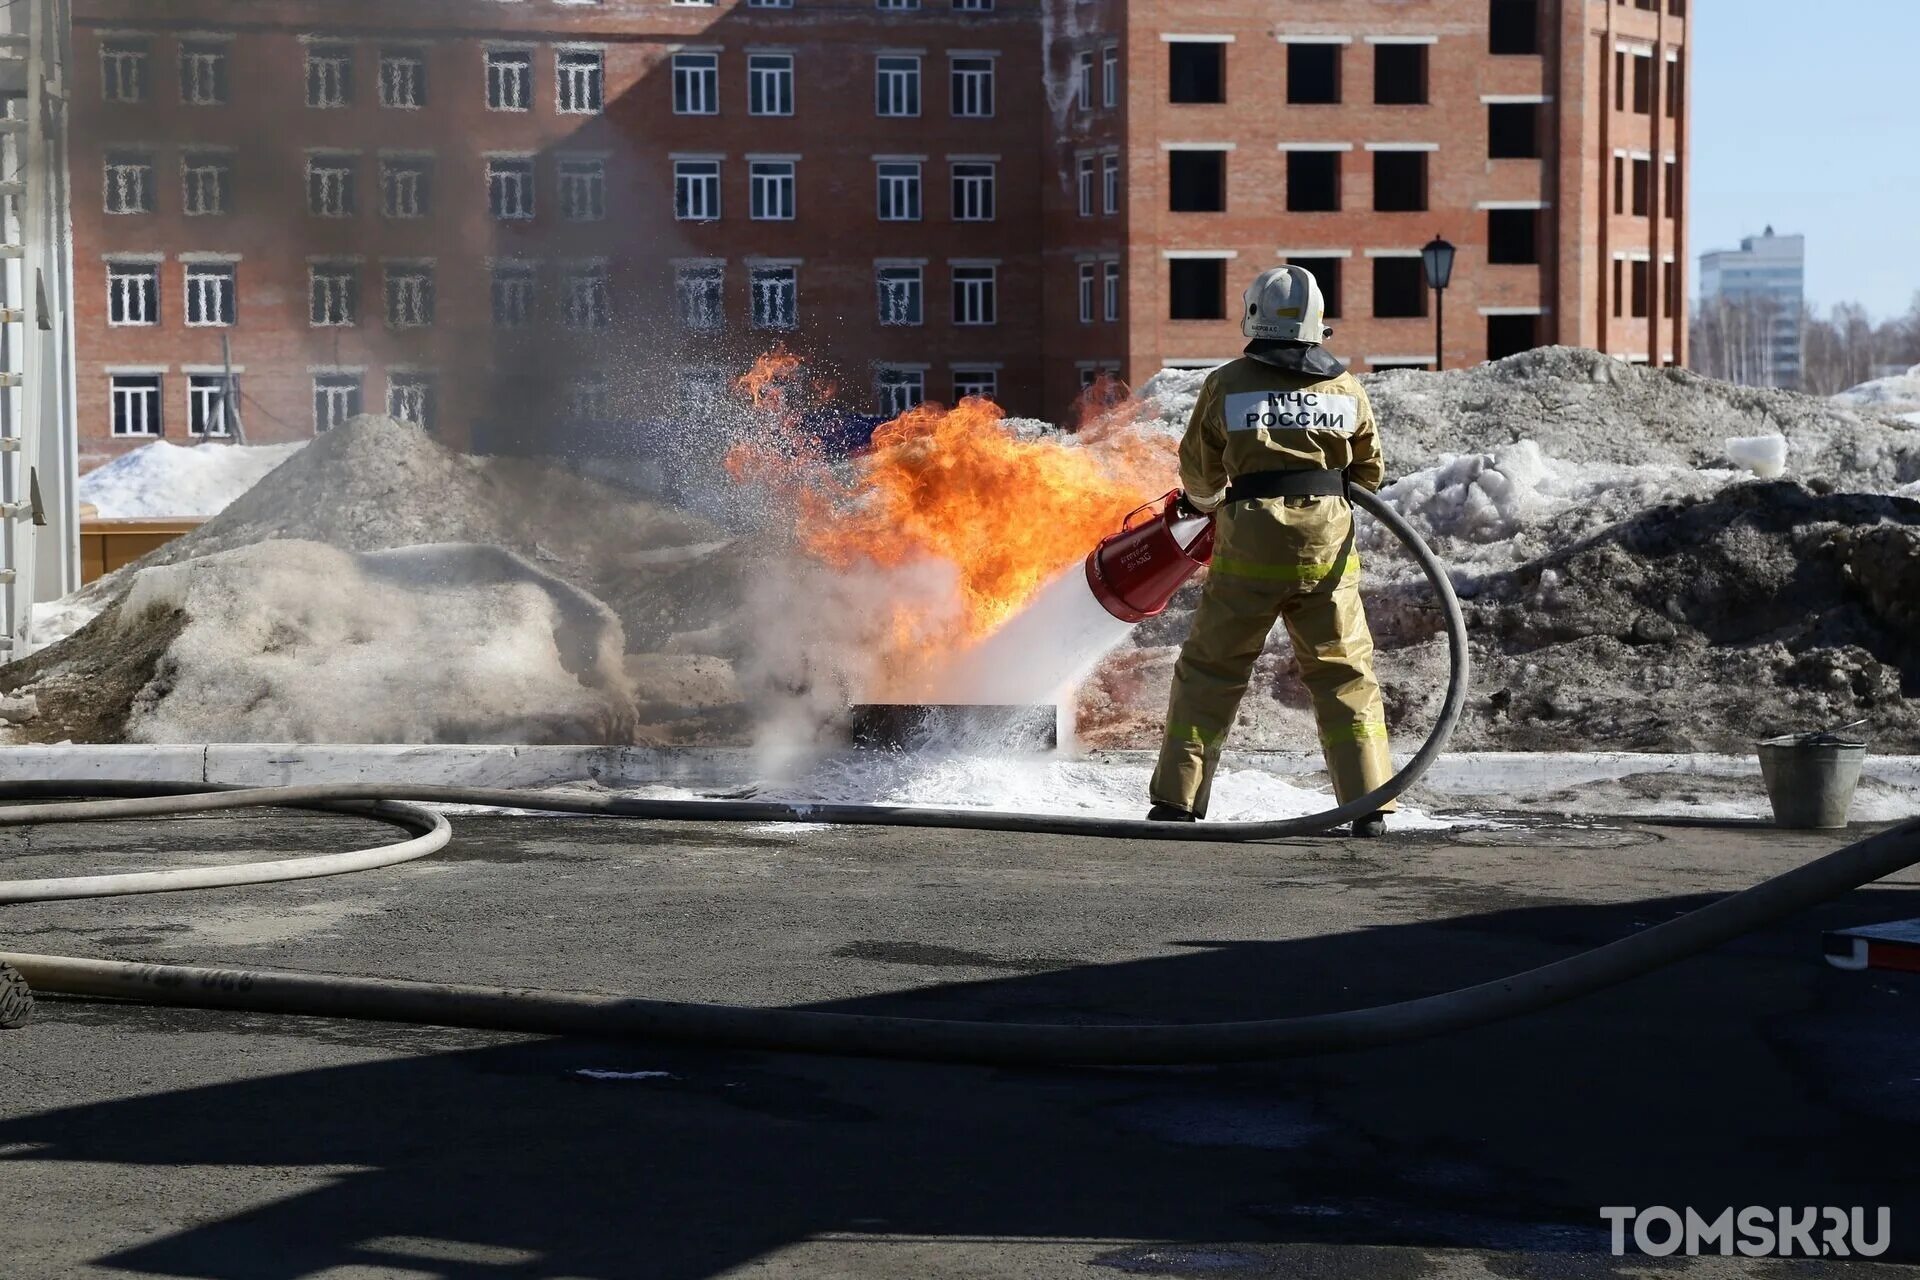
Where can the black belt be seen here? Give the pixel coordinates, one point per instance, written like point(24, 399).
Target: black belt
point(1289, 484)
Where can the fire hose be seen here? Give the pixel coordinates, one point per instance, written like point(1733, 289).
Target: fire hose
point(744, 1027)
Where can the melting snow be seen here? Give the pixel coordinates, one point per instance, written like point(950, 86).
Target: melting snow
point(164, 479)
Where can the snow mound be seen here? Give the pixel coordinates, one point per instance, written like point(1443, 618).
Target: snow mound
point(162, 479)
point(1896, 396)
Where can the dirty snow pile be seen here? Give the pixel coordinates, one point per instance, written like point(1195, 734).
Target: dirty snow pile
point(1897, 396)
point(161, 479)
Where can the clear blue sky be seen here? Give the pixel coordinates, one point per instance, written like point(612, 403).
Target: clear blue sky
point(1807, 116)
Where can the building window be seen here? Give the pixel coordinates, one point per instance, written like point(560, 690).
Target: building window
point(974, 295)
point(770, 190)
point(1089, 275)
point(1197, 181)
point(510, 188)
point(133, 293)
point(333, 294)
point(1196, 71)
point(1641, 284)
point(409, 296)
point(1400, 181)
point(1110, 184)
point(1619, 287)
point(210, 293)
point(896, 86)
point(1327, 274)
point(580, 77)
point(329, 75)
point(1674, 77)
point(583, 190)
point(1670, 195)
point(899, 182)
point(902, 295)
point(203, 73)
point(123, 70)
point(136, 404)
point(509, 80)
point(973, 6)
point(897, 6)
point(1513, 236)
point(973, 190)
point(403, 78)
point(336, 397)
point(1643, 83)
point(898, 390)
point(1313, 181)
point(330, 186)
point(1083, 80)
point(1400, 74)
point(1197, 289)
point(696, 84)
point(975, 384)
point(208, 398)
point(1670, 287)
point(1513, 130)
point(1110, 76)
point(410, 398)
point(1510, 335)
point(696, 190)
point(972, 87)
point(769, 4)
point(1111, 302)
point(770, 84)
point(699, 290)
point(206, 184)
point(129, 182)
point(510, 292)
point(1514, 27)
point(1313, 73)
point(1399, 288)
point(406, 187)
point(586, 298)
point(1643, 187)
point(587, 399)
point(1619, 183)
point(775, 297)
point(1083, 186)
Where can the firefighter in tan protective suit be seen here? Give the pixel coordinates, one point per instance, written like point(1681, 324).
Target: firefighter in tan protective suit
point(1274, 440)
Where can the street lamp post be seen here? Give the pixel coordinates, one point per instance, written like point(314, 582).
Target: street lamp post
point(1437, 258)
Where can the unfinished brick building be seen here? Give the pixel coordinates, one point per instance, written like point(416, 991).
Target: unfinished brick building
point(486, 214)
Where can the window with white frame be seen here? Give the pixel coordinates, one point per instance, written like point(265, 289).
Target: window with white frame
point(1111, 304)
point(511, 293)
point(1110, 184)
point(509, 80)
point(411, 398)
point(1110, 76)
point(1083, 80)
point(696, 84)
point(333, 294)
point(206, 183)
point(973, 190)
point(136, 404)
point(769, 4)
point(1087, 281)
point(1084, 168)
point(775, 297)
point(770, 84)
point(771, 188)
point(330, 185)
point(510, 188)
point(899, 182)
point(583, 189)
point(403, 78)
point(586, 299)
point(975, 383)
point(699, 290)
point(896, 85)
point(406, 186)
point(973, 6)
point(209, 398)
point(580, 77)
point(123, 70)
point(902, 291)
point(409, 295)
point(897, 390)
point(203, 72)
point(129, 182)
point(588, 399)
point(329, 75)
point(336, 397)
point(210, 293)
point(133, 292)
point(696, 190)
point(896, 6)
point(973, 295)
point(972, 85)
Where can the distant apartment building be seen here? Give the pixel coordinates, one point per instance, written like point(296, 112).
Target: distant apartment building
point(1754, 301)
point(495, 216)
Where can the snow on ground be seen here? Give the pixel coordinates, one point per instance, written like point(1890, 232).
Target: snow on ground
point(1897, 396)
point(164, 479)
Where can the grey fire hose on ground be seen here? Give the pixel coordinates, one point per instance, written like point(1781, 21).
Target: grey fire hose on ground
point(571, 1013)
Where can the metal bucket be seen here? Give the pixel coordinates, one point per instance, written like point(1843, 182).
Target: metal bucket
point(1810, 778)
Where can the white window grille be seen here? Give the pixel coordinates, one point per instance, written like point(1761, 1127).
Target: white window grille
point(1083, 80)
point(203, 73)
point(510, 188)
point(1086, 292)
point(1111, 309)
point(136, 404)
point(406, 187)
point(975, 384)
point(333, 294)
point(973, 6)
point(896, 86)
point(210, 293)
point(700, 291)
point(972, 80)
point(587, 398)
point(336, 397)
point(123, 70)
point(1110, 76)
point(973, 295)
point(776, 297)
point(896, 6)
point(902, 293)
point(133, 293)
point(1110, 184)
point(403, 78)
point(209, 396)
point(129, 182)
point(206, 184)
point(509, 80)
point(330, 186)
point(899, 182)
point(583, 190)
point(898, 390)
point(586, 300)
point(1085, 186)
point(772, 190)
point(973, 191)
point(770, 84)
point(411, 398)
point(581, 78)
point(696, 190)
point(329, 75)
point(511, 291)
point(409, 296)
point(696, 84)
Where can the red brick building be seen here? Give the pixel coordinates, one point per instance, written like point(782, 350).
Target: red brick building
point(500, 214)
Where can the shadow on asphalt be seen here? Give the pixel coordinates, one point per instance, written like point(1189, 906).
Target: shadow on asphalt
point(1755, 1075)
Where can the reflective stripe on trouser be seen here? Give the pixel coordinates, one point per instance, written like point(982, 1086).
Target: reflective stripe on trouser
point(1290, 559)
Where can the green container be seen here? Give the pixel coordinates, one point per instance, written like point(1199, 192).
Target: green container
point(1810, 778)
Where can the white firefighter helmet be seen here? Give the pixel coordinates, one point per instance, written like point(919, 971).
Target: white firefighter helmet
point(1284, 304)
